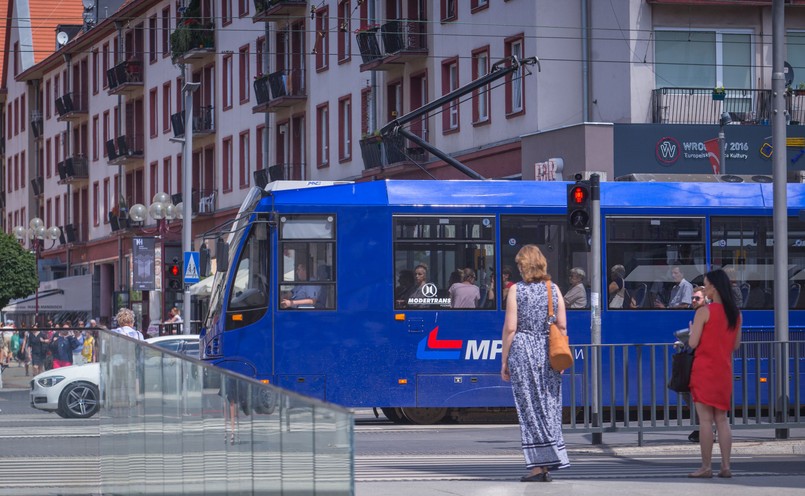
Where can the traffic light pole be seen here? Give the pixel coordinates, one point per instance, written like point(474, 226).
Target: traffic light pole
point(595, 302)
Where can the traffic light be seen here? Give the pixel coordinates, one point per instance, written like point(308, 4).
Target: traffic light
point(173, 276)
point(579, 215)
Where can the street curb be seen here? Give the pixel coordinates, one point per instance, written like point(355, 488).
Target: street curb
point(781, 447)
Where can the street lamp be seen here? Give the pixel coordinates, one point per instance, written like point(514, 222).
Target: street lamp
point(38, 234)
point(162, 211)
point(722, 140)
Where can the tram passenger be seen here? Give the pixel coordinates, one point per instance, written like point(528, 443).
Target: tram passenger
point(420, 279)
point(576, 296)
point(405, 286)
point(680, 293)
point(736, 290)
point(489, 301)
point(505, 283)
point(619, 296)
point(465, 294)
point(536, 386)
point(302, 295)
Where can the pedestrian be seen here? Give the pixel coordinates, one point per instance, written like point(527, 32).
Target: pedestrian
point(37, 346)
point(125, 322)
point(536, 386)
point(714, 335)
point(62, 346)
point(88, 346)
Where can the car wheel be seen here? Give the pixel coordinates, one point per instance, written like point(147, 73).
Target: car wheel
point(61, 413)
point(79, 400)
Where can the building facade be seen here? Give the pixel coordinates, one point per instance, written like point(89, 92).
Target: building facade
point(294, 89)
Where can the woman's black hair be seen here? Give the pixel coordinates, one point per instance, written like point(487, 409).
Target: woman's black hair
point(721, 282)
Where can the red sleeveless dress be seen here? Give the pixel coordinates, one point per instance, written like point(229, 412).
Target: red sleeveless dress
point(711, 377)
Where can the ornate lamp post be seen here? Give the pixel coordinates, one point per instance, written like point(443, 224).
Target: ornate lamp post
point(162, 211)
point(37, 233)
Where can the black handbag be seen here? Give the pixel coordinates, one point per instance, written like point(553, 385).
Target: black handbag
point(681, 365)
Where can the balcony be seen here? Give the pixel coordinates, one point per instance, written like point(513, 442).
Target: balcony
point(72, 107)
point(37, 127)
point(283, 89)
point(204, 201)
point(701, 106)
point(73, 170)
point(193, 41)
point(126, 78)
point(73, 234)
point(203, 122)
point(124, 150)
point(2, 146)
point(118, 222)
point(380, 152)
point(279, 10)
point(38, 186)
point(403, 41)
point(2, 200)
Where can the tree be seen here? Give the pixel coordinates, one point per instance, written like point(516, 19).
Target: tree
point(18, 277)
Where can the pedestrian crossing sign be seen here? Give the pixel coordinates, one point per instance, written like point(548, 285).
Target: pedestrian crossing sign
point(191, 261)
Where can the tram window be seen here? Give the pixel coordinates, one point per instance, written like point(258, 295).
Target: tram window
point(564, 251)
point(646, 256)
point(744, 248)
point(248, 298)
point(432, 254)
point(307, 268)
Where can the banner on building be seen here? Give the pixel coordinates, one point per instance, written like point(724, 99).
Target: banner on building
point(143, 264)
point(713, 154)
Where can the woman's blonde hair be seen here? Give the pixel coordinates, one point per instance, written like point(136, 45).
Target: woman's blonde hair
point(125, 317)
point(532, 264)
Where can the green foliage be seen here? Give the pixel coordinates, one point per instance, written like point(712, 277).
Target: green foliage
point(18, 277)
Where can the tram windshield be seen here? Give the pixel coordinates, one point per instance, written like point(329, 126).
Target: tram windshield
point(236, 233)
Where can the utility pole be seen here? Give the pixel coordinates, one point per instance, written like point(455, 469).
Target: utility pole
point(595, 303)
point(780, 216)
point(187, 192)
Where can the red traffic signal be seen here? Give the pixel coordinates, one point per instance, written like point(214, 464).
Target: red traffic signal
point(579, 214)
point(173, 277)
point(579, 195)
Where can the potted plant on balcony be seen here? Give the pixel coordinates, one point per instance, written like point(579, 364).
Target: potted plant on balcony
point(719, 93)
point(799, 90)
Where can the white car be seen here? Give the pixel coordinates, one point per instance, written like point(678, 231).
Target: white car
point(72, 392)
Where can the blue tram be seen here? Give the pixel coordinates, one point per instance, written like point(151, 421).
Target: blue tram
point(320, 293)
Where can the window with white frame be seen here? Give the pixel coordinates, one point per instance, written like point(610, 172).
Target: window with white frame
point(703, 59)
point(345, 128)
point(323, 151)
point(517, 92)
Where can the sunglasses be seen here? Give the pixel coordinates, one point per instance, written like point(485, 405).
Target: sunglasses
point(697, 298)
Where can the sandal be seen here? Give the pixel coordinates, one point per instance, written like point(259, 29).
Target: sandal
point(725, 473)
point(701, 474)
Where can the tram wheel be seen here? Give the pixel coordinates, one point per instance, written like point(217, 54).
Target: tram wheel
point(395, 415)
point(425, 416)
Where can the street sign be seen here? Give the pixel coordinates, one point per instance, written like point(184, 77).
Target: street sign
point(191, 264)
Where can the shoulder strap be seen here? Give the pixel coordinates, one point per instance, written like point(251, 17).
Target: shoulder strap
point(550, 299)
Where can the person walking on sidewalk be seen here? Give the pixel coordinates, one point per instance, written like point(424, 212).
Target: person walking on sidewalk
point(715, 334)
point(537, 387)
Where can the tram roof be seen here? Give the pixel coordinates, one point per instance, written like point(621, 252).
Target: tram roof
point(524, 193)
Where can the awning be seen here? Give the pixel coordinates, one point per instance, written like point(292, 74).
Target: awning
point(203, 287)
point(69, 294)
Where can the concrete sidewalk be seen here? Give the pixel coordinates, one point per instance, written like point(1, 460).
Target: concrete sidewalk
point(14, 377)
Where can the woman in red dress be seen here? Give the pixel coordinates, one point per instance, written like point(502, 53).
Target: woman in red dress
point(715, 334)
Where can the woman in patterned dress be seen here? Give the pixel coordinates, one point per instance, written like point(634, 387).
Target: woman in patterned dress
point(537, 387)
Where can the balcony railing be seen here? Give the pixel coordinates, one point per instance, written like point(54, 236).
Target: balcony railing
point(125, 149)
point(403, 41)
point(38, 186)
point(74, 233)
point(282, 88)
point(204, 201)
point(2, 146)
point(273, 10)
point(126, 77)
point(698, 106)
point(72, 106)
point(37, 124)
point(203, 122)
point(73, 169)
point(286, 171)
point(380, 152)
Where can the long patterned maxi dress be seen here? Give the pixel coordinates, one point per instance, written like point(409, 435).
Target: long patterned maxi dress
point(537, 387)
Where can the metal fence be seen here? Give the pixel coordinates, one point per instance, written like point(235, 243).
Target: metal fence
point(633, 395)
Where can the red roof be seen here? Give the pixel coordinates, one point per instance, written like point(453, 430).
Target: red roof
point(45, 16)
